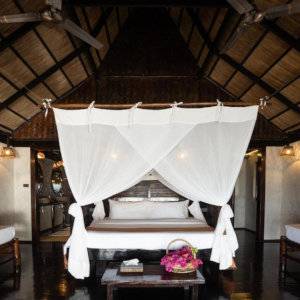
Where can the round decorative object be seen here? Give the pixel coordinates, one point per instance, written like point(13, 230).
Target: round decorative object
point(181, 261)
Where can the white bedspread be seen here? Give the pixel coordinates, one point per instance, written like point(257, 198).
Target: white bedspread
point(7, 233)
point(148, 240)
point(293, 232)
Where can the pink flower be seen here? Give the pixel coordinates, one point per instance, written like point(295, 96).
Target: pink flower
point(181, 258)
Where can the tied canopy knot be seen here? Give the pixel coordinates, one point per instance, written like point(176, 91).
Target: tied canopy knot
point(173, 107)
point(90, 115)
point(79, 265)
point(225, 241)
point(131, 113)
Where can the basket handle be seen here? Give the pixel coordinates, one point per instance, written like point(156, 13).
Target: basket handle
point(176, 240)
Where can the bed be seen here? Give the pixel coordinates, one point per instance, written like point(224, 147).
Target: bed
point(9, 247)
point(143, 228)
point(148, 234)
point(289, 250)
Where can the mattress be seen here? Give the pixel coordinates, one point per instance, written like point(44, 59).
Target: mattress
point(293, 232)
point(7, 233)
point(148, 234)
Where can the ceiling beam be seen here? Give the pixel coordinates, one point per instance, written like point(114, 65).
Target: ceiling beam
point(260, 82)
point(76, 20)
point(83, 48)
point(147, 3)
point(215, 51)
point(237, 99)
point(3, 136)
point(196, 103)
point(205, 35)
point(281, 33)
point(20, 32)
point(6, 127)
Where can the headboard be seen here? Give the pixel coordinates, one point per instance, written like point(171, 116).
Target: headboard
point(157, 189)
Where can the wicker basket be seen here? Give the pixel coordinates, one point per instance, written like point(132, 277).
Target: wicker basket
point(180, 270)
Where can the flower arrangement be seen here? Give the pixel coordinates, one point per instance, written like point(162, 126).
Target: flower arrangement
point(182, 260)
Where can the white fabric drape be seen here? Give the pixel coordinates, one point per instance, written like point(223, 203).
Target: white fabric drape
point(197, 152)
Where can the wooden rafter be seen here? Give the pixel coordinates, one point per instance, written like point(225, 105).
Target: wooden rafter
point(235, 97)
point(88, 24)
point(215, 51)
point(247, 56)
point(16, 2)
point(147, 3)
point(216, 14)
point(281, 33)
point(20, 32)
point(260, 82)
point(6, 127)
point(91, 61)
point(60, 64)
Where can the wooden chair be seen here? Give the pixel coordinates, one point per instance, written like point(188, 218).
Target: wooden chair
point(10, 251)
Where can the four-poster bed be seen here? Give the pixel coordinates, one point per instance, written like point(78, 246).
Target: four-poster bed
point(197, 153)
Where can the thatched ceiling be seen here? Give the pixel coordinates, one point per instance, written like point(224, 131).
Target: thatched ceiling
point(41, 61)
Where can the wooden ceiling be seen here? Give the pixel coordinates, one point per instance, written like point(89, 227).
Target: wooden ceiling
point(40, 61)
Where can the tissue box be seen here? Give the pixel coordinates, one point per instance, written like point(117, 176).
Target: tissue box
point(131, 268)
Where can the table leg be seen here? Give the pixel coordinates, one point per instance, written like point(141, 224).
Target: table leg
point(195, 289)
point(186, 292)
point(110, 292)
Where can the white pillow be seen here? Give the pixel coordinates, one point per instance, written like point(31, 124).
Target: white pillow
point(130, 199)
point(161, 199)
point(169, 210)
point(128, 210)
point(99, 212)
point(196, 211)
point(148, 210)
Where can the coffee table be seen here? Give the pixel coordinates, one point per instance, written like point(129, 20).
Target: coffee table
point(154, 276)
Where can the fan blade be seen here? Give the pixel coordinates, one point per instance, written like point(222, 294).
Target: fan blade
point(241, 6)
point(80, 33)
point(235, 36)
point(282, 10)
point(55, 3)
point(19, 18)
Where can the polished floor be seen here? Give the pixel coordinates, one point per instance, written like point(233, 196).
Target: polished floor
point(42, 277)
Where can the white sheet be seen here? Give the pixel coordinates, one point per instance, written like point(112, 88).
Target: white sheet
point(147, 240)
point(7, 233)
point(293, 232)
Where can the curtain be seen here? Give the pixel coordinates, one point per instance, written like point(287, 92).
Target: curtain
point(197, 152)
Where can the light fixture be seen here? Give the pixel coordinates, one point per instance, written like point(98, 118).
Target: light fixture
point(114, 156)
point(181, 155)
point(287, 150)
point(8, 151)
point(40, 155)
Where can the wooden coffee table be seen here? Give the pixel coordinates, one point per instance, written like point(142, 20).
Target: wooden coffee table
point(153, 276)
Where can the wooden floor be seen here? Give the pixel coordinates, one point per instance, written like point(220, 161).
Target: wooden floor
point(43, 277)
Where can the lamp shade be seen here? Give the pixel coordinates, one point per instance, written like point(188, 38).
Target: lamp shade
point(8, 152)
point(287, 150)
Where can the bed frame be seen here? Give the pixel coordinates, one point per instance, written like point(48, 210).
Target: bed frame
point(10, 251)
point(287, 248)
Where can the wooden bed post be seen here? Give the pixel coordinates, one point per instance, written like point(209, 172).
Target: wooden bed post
point(282, 258)
point(17, 255)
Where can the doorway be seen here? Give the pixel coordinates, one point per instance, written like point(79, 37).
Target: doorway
point(249, 194)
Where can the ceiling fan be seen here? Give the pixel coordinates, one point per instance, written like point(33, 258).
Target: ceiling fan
point(252, 16)
point(53, 13)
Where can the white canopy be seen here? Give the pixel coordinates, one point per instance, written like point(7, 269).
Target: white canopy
point(198, 153)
